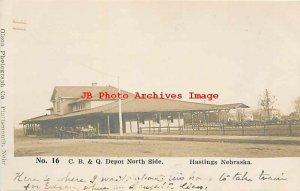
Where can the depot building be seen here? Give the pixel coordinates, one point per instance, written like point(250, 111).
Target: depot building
point(73, 116)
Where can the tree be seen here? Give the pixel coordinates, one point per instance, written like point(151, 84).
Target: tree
point(296, 114)
point(297, 104)
point(267, 102)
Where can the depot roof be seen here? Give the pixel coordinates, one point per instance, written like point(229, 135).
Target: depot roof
point(143, 106)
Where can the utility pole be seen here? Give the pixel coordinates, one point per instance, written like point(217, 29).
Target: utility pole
point(120, 109)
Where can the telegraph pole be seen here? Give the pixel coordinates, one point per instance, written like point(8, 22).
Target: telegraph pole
point(120, 109)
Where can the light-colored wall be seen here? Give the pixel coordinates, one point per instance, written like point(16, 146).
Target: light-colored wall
point(65, 107)
point(83, 104)
point(64, 104)
point(94, 104)
point(164, 123)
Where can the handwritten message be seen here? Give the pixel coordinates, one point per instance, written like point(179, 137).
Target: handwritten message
point(144, 181)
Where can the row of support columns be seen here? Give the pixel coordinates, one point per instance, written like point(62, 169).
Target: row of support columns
point(31, 128)
point(36, 128)
point(108, 130)
point(194, 123)
point(180, 126)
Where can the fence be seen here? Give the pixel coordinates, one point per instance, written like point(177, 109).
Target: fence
point(239, 129)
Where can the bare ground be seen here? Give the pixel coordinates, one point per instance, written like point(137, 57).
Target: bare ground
point(36, 146)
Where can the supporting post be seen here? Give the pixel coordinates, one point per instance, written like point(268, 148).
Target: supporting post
point(138, 123)
point(206, 120)
point(159, 122)
point(120, 109)
point(199, 120)
point(38, 129)
point(149, 127)
point(193, 123)
point(220, 120)
point(223, 125)
point(227, 117)
point(98, 127)
point(180, 130)
point(108, 126)
point(154, 125)
point(243, 129)
point(130, 126)
point(168, 128)
point(183, 125)
point(221, 128)
point(26, 129)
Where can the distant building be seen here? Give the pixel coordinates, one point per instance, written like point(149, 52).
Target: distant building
point(240, 114)
point(261, 115)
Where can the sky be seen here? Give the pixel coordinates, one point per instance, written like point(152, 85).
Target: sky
point(236, 50)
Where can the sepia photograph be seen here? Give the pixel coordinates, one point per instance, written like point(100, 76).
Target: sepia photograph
point(156, 79)
point(146, 95)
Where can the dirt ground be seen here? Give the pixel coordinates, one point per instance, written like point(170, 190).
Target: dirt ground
point(36, 146)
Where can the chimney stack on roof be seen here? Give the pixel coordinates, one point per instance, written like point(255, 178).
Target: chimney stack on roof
point(94, 84)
